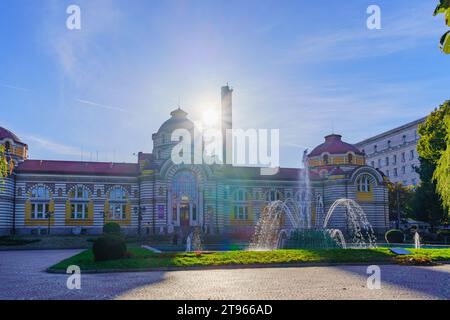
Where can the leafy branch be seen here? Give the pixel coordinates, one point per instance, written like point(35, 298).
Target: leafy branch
point(6, 167)
point(444, 8)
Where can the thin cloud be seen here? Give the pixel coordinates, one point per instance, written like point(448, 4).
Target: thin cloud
point(74, 50)
point(99, 105)
point(8, 86)
point(399, 33)
point(52, 146)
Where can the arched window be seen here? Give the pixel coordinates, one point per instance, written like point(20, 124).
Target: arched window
point(40, 192)
point(117, 194)
point(364, 183)
point(325, 159)
point(350, 158)
point(184, 184)
point(40, 202)
point(79, 201)
point(117, 203)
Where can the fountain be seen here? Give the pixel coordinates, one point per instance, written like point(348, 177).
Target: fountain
point(274, 231)
point(269, 228)
point(338, 236)
point(194, 241)
point(417, 244)
point(359, 227)
point(189, 243)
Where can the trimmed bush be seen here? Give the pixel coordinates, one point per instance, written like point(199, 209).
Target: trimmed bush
point(110, 247)
point(394, 236)
point(111, 228)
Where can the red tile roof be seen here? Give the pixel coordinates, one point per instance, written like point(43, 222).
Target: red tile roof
point(78, 168)
point(6, 134)
point(334, 145)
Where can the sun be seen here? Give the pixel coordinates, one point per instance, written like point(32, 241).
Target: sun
point(210, 118)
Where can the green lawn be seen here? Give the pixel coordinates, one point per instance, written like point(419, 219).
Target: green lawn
point(144, 259)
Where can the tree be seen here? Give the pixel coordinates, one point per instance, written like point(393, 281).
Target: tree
point(441, 174)
point(400, 200)
point(444, 8)
point(427, 204)
point(432, 134)
point(6, 167)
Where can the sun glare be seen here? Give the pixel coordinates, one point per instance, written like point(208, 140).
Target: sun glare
point(210, 118)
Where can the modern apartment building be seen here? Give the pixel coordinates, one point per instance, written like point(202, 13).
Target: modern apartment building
point(394, 152)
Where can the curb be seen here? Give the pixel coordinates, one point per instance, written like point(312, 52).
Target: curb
point(227, 267)
point(42, 249)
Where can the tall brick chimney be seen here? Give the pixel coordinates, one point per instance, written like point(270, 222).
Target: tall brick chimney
point(227, 121)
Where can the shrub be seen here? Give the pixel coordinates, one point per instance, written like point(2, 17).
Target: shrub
point(445, 232)
point(394, 236)
point(110, 247)
point(416, 260)
point(111, 228)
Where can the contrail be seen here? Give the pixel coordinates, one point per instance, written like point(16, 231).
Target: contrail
point(13, 87)
point(91, 103)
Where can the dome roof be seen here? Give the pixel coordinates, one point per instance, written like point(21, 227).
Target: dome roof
point(177, 121)
point(6, 134)
point(334, 145)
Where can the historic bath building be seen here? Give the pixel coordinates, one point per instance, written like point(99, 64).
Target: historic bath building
point(156, 196)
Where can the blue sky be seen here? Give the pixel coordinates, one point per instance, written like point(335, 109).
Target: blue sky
point(300, 66)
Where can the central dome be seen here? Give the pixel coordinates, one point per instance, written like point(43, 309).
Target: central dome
point(178, 120)
point(334, 145)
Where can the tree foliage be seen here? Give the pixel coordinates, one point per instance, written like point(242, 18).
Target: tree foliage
point(400, 196)
point(427, 205)
point(6, 166)
point(444, 8)
point(432, 134)
point(441, 174)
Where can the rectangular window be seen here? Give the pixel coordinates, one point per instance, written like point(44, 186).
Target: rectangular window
point(394, 159)
point(387, 173)
point(118, 211)
point(373, 164)
point(379, 163)
point(403, 170)
point(411, 155)
point(395, 172)
point(39, 210)
point(403, 157)
point(79, 211)
point(387, 161)
point(241, 212)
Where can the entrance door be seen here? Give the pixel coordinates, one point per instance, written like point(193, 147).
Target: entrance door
point(184, 214)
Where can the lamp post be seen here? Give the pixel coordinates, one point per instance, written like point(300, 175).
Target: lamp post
point(48, 215)
point(139, 211)
point(398, 209)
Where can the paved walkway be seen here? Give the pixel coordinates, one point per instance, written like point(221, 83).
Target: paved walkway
point(22, 276)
